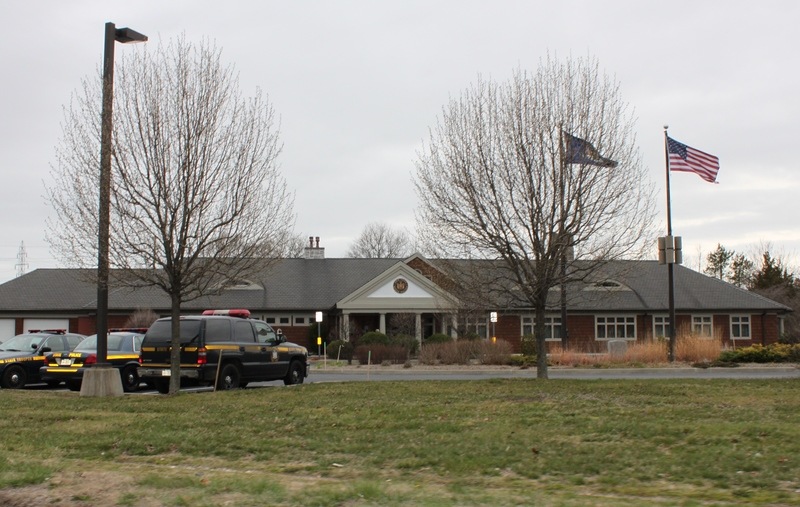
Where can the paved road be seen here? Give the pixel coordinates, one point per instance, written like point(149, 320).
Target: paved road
point(378, 373)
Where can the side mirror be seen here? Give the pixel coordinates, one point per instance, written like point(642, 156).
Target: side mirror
point(45, 350)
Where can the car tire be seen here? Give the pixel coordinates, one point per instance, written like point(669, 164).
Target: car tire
point(74, 385)
point(130, 378)
point(296, 373)
point(229, 378)
point(14, 377)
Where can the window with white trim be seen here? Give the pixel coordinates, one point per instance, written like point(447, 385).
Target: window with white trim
point(303, 320)
point(552, 327)
point(702, 325)
point(660, 326)
point(278, 320)
point(479, 327)
point(615, 326)
point(740, 327)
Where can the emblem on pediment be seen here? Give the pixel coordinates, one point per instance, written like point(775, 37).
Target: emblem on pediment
point(400, 285)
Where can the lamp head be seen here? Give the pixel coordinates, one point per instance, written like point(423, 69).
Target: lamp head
point(126, 35)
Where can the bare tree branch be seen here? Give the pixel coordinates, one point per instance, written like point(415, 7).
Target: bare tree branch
point(197, 197)
point(379, 240)
point(494, 183)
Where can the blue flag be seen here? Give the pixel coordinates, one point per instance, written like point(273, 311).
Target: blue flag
point(580, 151)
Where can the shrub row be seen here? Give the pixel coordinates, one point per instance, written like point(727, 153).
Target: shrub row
point(466, 352)
point(375, 347)
point(773, 353)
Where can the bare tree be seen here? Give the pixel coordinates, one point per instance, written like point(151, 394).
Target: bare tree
point(142, 317)
point(381, 241)
point(500, 178)
point(197, 198)
point(295, 246)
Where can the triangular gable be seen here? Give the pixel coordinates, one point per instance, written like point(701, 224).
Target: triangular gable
point(398, 288)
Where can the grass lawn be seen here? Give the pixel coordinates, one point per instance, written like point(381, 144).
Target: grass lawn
point(438, 443)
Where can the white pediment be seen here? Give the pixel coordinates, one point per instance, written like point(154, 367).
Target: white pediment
point(390, 289)
point(398, 288)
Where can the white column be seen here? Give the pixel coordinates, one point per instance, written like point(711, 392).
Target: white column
point(345, 326)
point(418, 326)
point(382, 325)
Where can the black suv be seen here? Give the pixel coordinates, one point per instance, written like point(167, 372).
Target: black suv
point(223, 348)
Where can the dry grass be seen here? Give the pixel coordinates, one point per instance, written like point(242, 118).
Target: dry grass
point(689, 348)
point(697, 349)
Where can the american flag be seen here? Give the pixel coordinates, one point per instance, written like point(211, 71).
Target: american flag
point(685, 158)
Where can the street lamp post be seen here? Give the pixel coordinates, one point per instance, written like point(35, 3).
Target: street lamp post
point(112, 35)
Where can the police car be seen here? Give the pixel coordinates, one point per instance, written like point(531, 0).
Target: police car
point(22, 356)
point(123, 348)
point(223, 348)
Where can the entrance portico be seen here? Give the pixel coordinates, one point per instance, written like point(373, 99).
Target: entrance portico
point(400, 299)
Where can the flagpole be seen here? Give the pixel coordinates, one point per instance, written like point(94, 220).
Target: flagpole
point(562, 239)
point(670, 263)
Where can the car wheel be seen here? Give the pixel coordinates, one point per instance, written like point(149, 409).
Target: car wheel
point(228, 377)
point(74, 385)
point(14, 377)
point(162, 386)
point(130, 378)
point(296, 373)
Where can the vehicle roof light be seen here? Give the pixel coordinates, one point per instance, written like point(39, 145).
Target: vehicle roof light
point(238, 312)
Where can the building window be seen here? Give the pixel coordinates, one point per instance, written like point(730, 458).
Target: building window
point(303, 320)
point(552, 327)
point(740, 327)
point(660, 326)
point(478, 327)
point(702, 326)
point(278, 320)
point(616, 326)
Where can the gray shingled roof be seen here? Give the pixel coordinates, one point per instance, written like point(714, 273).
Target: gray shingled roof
point(318, 284)
point(648, 284)
point(290, 284)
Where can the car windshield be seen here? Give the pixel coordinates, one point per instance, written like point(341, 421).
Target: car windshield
point(23, 342)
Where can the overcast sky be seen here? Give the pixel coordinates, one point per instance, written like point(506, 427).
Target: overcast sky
point(357, 84)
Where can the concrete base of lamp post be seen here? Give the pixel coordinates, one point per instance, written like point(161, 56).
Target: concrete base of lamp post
point(101, 382)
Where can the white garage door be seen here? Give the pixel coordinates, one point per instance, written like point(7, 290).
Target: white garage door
point(29, 324)
point(6, 329)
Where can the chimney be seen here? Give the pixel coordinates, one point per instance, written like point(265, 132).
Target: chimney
point(313, 251)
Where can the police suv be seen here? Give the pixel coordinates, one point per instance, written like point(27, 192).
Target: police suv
point(223, 348)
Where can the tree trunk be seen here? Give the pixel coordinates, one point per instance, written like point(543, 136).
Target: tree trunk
point(541, 344)
point(175, 352)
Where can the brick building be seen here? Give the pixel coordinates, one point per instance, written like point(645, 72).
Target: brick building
point(625, 300)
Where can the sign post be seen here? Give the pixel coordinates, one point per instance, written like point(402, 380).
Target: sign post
point(318, 317)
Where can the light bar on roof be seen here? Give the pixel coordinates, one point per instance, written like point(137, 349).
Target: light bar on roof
point(238, 312)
